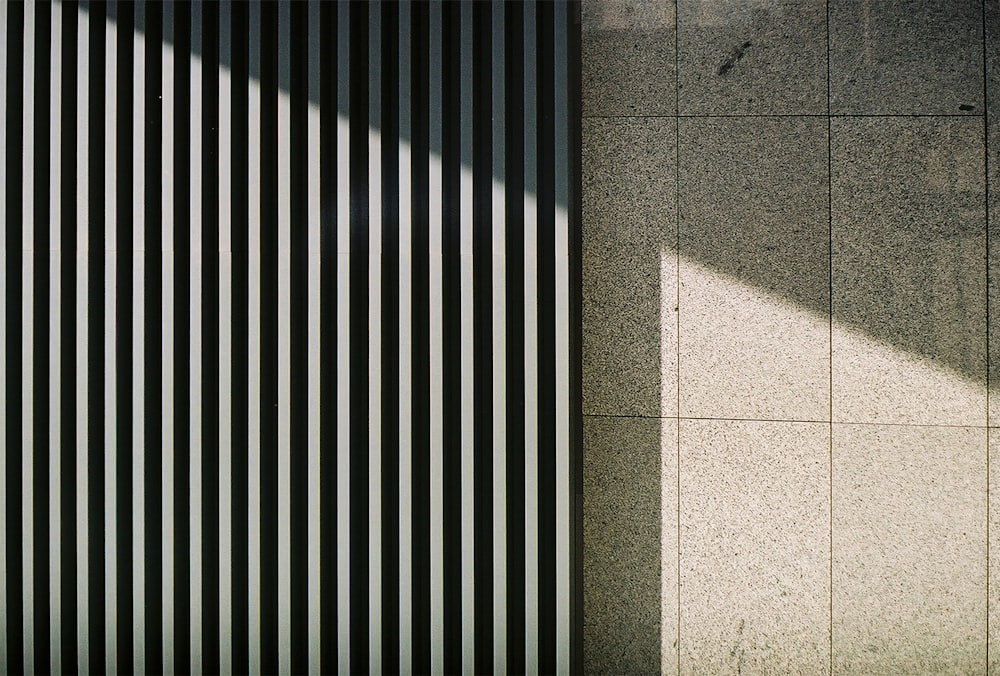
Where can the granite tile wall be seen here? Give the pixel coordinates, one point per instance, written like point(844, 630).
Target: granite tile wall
point(791, 275)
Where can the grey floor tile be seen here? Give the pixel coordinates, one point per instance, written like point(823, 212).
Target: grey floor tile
point(909, 549)
point(751, 57)
point(903, 58)
point(628, 57)
point(629, 268)
point(754, 244)
point(630, 566)
point(909, 282)
point(754, 547)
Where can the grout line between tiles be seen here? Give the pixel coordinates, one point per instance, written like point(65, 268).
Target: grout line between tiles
point(799, 421)
point(986, 195)
point(677, 304)
point(829, 206)
point(783, 115)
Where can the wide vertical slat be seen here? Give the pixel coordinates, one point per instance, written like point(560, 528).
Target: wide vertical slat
point(375, 337)
point(499, 298)
point(254, 330)
point(406, 540)
point(531, 590)
point(466, 255)
point(314, 337)
point(82, 237)
point(436, 295)
point(167, 345)
point(284, 339)
point(139, 342)
point(110, 364)
point(28, 338)
point(225, 339)
point(55, 333)
point(562, 352)
point(195, 317)
point(343, 342)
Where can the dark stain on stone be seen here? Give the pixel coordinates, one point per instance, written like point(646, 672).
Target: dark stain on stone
point(966, 106)
point(734, 58)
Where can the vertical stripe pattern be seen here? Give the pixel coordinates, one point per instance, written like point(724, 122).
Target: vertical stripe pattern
point(287, 337)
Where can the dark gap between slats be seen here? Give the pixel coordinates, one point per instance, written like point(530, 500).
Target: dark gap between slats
point(95, 337)
point(153, 336)
point(420, 342)
point(269, 338)
point(240, 336)
point(299, 358)
point(123, 333)
point(67, 343)
point(389, 130)
point(514, 244)
point(546, 345)
point(40, 333)
point(328, 338)
point(210, 337)
point(358, 415)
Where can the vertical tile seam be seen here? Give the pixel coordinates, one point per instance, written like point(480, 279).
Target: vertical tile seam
point(677, 338)
point(3, 341)
point(829, 207)
point(986, 204)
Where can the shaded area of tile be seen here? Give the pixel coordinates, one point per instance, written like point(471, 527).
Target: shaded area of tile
point(902, 58)
point(750, 57)
point(755, 547)
point(909, 549)
point(755, 276)
point(629, 487)
point(993, 165)
point(629, 221)
point(628, 51)
point(908, 214)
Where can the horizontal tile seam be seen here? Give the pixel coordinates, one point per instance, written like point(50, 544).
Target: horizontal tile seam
point(789, 420)
point(782, 115)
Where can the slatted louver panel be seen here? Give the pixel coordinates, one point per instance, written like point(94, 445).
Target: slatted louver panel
point(289, 338)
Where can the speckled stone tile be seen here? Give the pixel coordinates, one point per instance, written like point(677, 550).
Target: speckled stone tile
point(993, 141)
point(754, 547)
point(909, 549)
point(751, 57)
point(900, 58)
point(628, 57)
point(630, 566)
point(629, 267)
point(994, 544)
point(909, 280)
point(754, 275)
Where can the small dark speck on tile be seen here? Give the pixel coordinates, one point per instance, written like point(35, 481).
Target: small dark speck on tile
point(734, 58)
point(966, 106)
